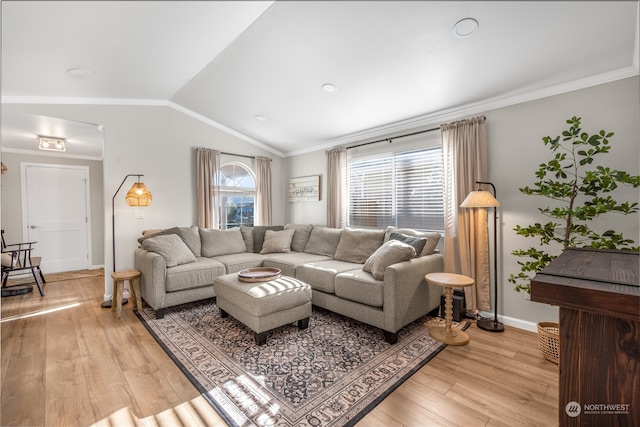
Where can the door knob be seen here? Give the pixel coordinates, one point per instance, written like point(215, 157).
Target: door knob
point(33, 226)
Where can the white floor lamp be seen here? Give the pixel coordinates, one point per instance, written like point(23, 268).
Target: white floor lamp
point(484, 199)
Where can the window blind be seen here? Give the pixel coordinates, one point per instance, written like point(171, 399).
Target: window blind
point(400, 189)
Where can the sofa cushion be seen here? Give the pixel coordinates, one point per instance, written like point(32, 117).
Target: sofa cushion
point(236, 262)
point(247, 236)
point(287, 263)
point(321, 275)
point(432, 238)
point(277, 241)
point(359, 286)
point(358, 245)
point(195, 275)
point(417, 242)
point(258, 235)
point(171, 247)
point(191, 237)
point(323, 241)
point(301, 236)
point(391, 252)
point(221, 242)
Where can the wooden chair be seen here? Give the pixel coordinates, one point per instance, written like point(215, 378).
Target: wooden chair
point(16, 258)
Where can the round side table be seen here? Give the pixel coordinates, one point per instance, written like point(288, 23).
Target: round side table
point(446, 333)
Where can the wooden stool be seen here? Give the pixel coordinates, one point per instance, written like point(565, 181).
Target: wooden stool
point(119, 277)
point(446, 333)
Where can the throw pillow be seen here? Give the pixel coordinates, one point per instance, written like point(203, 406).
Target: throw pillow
point(247, 236)
point(147, 234)
point(221, 242)
point(277, 241)
point(358, 245)
point(323, 241)
point(258, 235)
point(171, 247)
point(432, 238)
point(417, 242)
point(390, 253)
point(300, 237)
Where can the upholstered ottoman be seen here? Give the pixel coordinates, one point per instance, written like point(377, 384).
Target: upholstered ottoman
point(264, 306)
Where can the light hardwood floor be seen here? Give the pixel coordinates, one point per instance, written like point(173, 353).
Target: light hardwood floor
point(66, 361)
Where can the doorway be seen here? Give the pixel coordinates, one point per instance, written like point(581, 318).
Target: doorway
point(56, 214)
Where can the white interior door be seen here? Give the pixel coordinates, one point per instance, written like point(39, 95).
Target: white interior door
point(55, 213)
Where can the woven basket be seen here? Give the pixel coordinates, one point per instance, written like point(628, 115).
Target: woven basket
point(549, 341)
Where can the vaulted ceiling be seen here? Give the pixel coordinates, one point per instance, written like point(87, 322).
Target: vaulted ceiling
point(256, 69)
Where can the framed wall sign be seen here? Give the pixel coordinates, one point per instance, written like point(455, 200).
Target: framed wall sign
point(304, 189)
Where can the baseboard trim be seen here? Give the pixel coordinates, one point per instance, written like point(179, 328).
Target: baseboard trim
point(513, 322)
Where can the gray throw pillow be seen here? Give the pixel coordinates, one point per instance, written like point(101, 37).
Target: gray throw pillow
point(301, 236)
point(258, 235)
point(171, 247)
point(277, 241)
point(323, 241)
point(417, 242)
point(432, 238)
point(221, 242)
point(247, 236)
point(390, 253)
point(358, 245)
point(147, 234)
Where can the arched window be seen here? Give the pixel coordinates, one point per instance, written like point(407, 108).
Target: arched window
point(238, 194)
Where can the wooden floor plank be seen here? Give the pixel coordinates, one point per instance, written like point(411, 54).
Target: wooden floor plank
point(96, 369)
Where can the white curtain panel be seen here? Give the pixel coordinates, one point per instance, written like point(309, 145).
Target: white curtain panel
point(336, 173)
point(263, 191)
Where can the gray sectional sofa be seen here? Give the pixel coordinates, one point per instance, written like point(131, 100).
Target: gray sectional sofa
point(373, 276)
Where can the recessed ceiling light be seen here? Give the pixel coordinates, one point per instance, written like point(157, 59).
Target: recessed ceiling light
point(465, 27)
point(329, 88)
point(79, 71)
point(261, 118)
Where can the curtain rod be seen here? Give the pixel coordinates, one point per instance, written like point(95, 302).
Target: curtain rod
point(241, 155)
point(395, 137)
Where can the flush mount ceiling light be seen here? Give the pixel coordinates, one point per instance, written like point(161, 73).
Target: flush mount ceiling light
point(329, 88)
point(465, 27)
point(51, 143)
point(261, 118)
point(79, 71)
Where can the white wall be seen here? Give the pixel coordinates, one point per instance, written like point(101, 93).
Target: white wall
point(159, 143)
point(515, 150)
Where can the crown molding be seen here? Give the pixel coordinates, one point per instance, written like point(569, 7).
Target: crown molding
point(224, 128)
point(50, 154)
point(427, 120)
point(457, 113)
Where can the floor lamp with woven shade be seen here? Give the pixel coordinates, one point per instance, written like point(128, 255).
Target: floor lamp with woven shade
point(484, 199)
point(137, 196)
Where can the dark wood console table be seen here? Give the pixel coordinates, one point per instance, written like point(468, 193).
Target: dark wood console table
point(598, 292)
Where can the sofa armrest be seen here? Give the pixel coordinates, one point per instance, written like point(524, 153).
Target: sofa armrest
point(407, 295)
point(152, 268)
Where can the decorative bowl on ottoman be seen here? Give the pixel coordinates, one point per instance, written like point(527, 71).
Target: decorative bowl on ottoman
point(258, 274)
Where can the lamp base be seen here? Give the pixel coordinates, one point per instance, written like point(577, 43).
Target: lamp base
point(107, 304)
point(490, 325)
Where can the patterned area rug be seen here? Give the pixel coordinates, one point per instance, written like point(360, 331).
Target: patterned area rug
point(330, 374)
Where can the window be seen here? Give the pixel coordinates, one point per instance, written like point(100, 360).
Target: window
point(402, 189)
point(238, 194)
